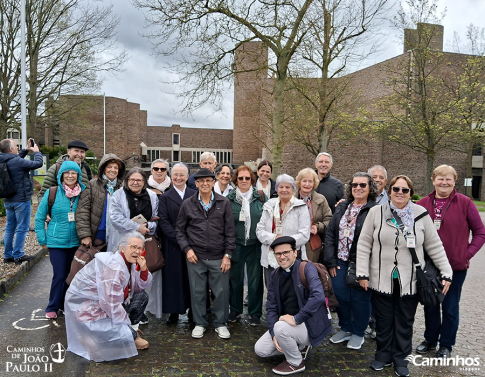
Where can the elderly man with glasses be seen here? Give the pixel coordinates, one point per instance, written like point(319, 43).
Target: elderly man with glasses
point(297, 314)
point(206, 234)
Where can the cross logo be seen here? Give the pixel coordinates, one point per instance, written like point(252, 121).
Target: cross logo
point(57, 352)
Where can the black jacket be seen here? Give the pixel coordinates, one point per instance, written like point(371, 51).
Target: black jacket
point(332, 189)
point(332, 237)
point(210, 234)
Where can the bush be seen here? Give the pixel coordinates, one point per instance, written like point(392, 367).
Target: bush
point(2, 209)
point(93, 163)
point(53, 152)
point(415, 198)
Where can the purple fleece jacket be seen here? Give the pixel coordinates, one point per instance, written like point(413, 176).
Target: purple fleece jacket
point(460, 218)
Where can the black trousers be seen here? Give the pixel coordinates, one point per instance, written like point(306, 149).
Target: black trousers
point(394, 325)
point(136, 309)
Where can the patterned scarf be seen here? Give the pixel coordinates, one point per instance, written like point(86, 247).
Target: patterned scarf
point(71, 192)
point(110, 186)
point(406, 214)
point(308, 202)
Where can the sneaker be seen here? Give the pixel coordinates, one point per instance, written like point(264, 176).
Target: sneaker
point(425, 346)
point(341, 336)
point(25, 258)
point(443, 353)
point(198, 332)
point(141, 344)
point(254, 321)
point(51, 315)
point(371, 332)
point(8, 260)
point(401, 371)
point(355, 342)
point(233, 316)
point(379, 365)
point(305, 351)
point(223, 332)
point(144, 320)
point(286, 368)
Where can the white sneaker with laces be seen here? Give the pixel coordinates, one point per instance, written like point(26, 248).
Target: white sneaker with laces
point(223, 332)
point(198, 332)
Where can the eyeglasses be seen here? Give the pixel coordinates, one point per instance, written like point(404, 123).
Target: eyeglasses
point(136, 247)
point(137, 181)
point(202, 181)
point(71, 173)
point(243, 178)
point(355, 185)
point(283, 253)
point(403, 189)
point(159, 169)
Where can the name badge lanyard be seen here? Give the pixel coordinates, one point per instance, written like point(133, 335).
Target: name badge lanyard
point(70, 215)
point(279, 221)
point(407, 234)
point(440, 214)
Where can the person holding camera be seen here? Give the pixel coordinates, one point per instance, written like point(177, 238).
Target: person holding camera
point(18, 207)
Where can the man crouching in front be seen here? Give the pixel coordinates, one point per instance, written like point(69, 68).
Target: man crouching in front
point(106, 301)
point(297, 317)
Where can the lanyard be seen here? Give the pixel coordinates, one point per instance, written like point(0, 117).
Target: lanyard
point(439, 214)
point(72, 200)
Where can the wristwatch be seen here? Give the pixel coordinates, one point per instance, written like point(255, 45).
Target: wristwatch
point(228, 255)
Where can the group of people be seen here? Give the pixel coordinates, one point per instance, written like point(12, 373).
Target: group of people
point(222, 229)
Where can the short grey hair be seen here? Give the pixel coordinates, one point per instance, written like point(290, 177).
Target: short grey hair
point(167, 164)
point(324, 154)
point(219, 168)
point(372, 168)
point(181, 164)
point(206, 155)
point(285, 178)
point(126, 238)
point(6, 145)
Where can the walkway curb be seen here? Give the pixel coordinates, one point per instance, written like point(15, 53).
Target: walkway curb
point(7, 284)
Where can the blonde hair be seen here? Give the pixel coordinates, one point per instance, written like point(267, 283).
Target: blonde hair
point(303, 173)
point(444, 170)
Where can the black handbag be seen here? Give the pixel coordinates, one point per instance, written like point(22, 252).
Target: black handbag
point(428, 279)
point(351, 277)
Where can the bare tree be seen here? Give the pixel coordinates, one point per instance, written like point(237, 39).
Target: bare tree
point(203, 35)
point(68, 44)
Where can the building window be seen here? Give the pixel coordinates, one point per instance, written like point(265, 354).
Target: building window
point(12, 134)
point(176, 139)
point(175, 155)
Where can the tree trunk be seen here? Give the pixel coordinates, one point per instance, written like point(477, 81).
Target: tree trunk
point(429, 172)
point(278, 119)
point(469, 162)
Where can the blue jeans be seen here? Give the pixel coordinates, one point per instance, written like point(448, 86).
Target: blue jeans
point(445, 329)
point(18, 224)
point(354, 305)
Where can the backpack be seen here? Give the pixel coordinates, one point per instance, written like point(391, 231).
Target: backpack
point(7, 187)
point(51, 199)
point(325, 279)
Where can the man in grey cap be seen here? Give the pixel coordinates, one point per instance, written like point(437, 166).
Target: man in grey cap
point(297, 314)
point(76, 151)
point(206, 233)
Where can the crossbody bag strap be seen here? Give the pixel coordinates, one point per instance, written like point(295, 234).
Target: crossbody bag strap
point(411, 249)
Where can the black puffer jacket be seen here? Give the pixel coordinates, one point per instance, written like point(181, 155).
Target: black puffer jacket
point(332, 237)
point(91, 203)
point(210, 234)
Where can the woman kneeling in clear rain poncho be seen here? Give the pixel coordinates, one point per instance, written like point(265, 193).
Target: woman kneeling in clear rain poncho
point(105, 302)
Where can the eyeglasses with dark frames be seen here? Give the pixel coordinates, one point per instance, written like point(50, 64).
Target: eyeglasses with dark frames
point(404, 190)
point(243, 178)
point(283, 253)
point(159, 169)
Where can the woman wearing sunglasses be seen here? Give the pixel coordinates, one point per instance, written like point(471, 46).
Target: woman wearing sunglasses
point(340, 251)
point(384, 265)
point(247, 207)
point(159, 181)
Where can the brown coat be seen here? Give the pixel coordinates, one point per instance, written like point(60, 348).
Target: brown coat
point(92, 201)
point(321, 217)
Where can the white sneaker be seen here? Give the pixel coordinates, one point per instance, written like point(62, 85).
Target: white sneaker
point(223, 332)
point(198, 332)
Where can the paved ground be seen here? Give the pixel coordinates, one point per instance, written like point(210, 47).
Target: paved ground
point(26, 339)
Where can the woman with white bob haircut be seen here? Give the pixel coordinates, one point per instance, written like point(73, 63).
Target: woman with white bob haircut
point(106, 301)
point(283, 216)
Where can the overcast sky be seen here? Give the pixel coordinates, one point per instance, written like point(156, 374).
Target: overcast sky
point(142, 80)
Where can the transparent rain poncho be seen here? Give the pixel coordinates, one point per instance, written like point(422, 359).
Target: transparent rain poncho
point(97, 325)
